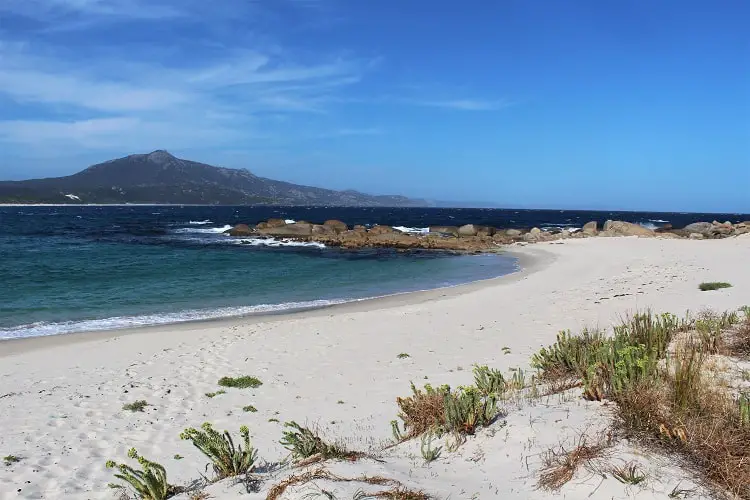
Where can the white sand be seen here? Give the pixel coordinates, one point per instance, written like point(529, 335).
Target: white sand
point(61, 397)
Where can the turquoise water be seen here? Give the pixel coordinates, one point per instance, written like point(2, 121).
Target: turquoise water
point(107, 268)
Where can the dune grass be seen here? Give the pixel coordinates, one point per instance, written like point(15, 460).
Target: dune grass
point(244, 382)
point(714, 285)
point(139, 405)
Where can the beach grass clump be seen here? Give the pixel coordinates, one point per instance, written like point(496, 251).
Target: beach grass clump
point(304, 443)
point(561, 464)
point(249, 408)
point(11, 459)
point(629, 473)
point(147, 483)
point(714, 285)
point(403, 355)
point(139, 405)
point(441, 410)
point(657, 381)
point(738, 343)
point(244, 382)
point(227, 459)
point(214, 394)
point(568, 356)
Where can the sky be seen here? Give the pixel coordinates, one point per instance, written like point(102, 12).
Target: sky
point(629, 105)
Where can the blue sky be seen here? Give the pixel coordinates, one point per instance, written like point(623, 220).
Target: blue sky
point(583, 104)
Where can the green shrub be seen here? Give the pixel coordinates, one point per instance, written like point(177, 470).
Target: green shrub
point(249, 408)
point(227, 460)
point(653, 331)
point(569, 356)
point(467, 409)
point(403, 355)
point(423, 411)
point(714, 285)
point(243, 382)
point(149, 483)
point(488, 381)
point(303, 443)
point(135, 406)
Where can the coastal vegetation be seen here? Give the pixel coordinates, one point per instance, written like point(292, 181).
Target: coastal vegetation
point(11, 459)
point(714, 285)
point(244, 382)
point(139, 405)
point(226, 459)
point(216, 393)
point(662, 374)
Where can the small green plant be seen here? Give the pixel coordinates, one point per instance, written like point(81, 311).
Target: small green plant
point(629, 474)
point(429, 453)
point(214, 394)
point(746, 311)
point(743, 404)
point(569, 356)
point(714, 285)
point(303, 443)
point(678, 492)
point(139, 405)
point(403, 355)
point(273, 420)
point(244, 382)
point(249, 408)
point(178, 456)
point(227, 459)
point(467, 409)
point(489, 381)
point(11, 459)
point(148, 483)
point(340, 402)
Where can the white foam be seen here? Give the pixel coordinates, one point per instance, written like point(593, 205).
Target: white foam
point(289, 221)
point(206, 230)
point(413, 230)
point(658, 220)
point(271, 242)
point(72, 197)
point(648, 225)
point(118, 322)
point(199, 222)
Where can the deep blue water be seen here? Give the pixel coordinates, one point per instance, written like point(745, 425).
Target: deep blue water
point(71, 268)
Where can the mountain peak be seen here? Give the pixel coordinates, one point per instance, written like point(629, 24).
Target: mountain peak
point(160, 156)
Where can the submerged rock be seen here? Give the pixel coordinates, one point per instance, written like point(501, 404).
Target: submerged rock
point(289, 230)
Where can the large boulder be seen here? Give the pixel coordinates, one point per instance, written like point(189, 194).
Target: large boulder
point(240, 230)
point(696, 236)
point(486, 231)
point(452, 230)
point(703, 228)
point(591, 228)
point(513, 233)
point(359, 229)
point(381, 230)
point(621, 228)
point(535, 231)
point(336, 225)
point(467, 230)
point(298, 229)
point(276, 222)
point(322, 229)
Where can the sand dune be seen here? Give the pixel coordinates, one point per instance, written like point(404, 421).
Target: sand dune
point(61, 398)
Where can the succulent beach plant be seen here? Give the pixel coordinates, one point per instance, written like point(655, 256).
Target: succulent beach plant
point(148, 483)
point(227, 459)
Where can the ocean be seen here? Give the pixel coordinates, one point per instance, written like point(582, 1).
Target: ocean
point(68, 269)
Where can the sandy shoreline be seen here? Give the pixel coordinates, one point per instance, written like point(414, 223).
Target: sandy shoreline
point(529, 260)
point(61, 397)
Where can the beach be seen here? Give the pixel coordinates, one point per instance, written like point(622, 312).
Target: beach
point(339, 368)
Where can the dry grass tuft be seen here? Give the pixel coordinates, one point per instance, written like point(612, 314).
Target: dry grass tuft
point(397, 492)
point(423, 411)
point(560, 465)
point(738, 343)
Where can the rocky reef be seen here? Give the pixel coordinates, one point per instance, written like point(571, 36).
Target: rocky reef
point(467, 238)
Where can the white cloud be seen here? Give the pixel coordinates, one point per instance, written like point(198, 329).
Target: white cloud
point(466, 104)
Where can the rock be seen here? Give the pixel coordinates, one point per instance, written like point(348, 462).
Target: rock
point(289, 230)
point(532, 237)
point(696, 236)
point(452, 230)
point(535, 231)
point(486, 231)
point(336, 225)
point(359, 229)
point(666, 228)
point(719, 229)
point(276, 222)
point(322, 229)
point(467, 230)
point(513, 233)
point(591, 228)
point(381, 230)
point(621, 228)
point(703, 228)
point(240, 230)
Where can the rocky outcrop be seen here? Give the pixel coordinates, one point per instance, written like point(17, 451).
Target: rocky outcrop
point(382, 230)
point(288, 230)
point(336, 225)
point(591, 228)
point(275, 223)
point(717, 229)
point(445, 230)
point(240, 230)
point(513, 232)
point(621, 228)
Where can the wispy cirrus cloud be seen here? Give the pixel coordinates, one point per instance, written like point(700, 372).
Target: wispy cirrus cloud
point(466, 104)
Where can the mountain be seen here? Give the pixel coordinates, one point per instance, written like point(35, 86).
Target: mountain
point(161, 178)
